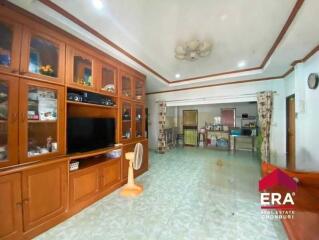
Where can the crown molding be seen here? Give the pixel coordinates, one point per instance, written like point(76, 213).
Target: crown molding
point(290, 70)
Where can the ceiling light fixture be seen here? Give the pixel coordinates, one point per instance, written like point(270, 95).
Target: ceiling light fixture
point(193, 50)
point(241, 64)
point(177, 75)
point(97, 4)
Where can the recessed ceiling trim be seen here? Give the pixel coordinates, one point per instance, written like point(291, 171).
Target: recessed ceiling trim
point(290, 70)
point(227, 83)
point(285, 28)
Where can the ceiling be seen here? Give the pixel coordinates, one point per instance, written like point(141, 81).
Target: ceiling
point(241, 30)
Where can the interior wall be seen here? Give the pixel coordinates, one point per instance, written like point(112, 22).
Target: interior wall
point(233, 93)
point(171, 117)
point(307, 114)
point(206, 113)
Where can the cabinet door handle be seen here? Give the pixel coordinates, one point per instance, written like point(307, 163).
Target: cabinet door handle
point(25, 201)
point(19, 204)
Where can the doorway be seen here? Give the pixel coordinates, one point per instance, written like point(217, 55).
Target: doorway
point(291, 139)
point(190, 127)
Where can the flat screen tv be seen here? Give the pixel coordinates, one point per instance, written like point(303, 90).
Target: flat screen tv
point(86, 134)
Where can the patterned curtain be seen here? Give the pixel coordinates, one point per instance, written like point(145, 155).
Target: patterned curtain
point(161, 143)
point(264, 103)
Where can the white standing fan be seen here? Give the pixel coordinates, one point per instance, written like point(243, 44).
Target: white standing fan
point(131, 189)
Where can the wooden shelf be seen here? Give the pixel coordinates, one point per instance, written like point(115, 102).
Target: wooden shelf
point(91, 105)
point(42, 121)
point(124, 121)
point(93, 153)
point(89, 162)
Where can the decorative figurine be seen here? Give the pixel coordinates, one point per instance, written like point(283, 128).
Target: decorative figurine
point(49, 143)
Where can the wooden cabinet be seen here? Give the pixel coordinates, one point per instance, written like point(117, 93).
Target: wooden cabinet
point(10, 39)
point(107, 79)
point(42, 56)
point(94, 176)
point(8, 120)
point(44, 193)
point(10, 207)
point(84, 184)
point(42, 120)
point(110, 173)
point(82, 70)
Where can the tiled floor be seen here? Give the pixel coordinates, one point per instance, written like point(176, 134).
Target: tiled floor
point(189, 194)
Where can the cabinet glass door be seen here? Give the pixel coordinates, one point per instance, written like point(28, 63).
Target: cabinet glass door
point(82, 71)
point(126, 86)
point(6, 40)
point(126, 121)
point(43, 120)
point(10, 35)
point(139, 121)
point(4, 109)
point(139, 89)
point(108, 81)
point(8, 121)
point(43, 57)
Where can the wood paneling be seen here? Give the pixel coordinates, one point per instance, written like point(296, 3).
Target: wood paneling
point(10, 207)
point(110, 173)
point(44, 192)
point(84, 185)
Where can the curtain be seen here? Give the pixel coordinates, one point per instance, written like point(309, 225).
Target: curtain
point(161, 143)
point(264, 104)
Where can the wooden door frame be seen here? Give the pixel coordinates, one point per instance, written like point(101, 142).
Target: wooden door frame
point(287, 125)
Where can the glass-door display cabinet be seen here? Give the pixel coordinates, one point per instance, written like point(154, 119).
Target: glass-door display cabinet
point(139, 121)
point(108, 78)
point(139, 89)
point(126, 120)
point(126, 86)
point(8, 120)
point(43, 57)
point(42, 125)
point(80, 70)
point(10, 38)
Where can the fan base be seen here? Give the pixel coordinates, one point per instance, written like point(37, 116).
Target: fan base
point(132, 190)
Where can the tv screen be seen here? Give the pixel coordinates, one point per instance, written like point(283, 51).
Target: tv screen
point(86, 134)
